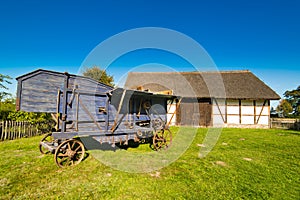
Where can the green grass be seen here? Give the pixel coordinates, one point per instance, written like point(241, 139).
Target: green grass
point(272, 173)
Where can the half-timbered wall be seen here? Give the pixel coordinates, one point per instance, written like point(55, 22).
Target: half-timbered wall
point(241, 113)
point(171, 115)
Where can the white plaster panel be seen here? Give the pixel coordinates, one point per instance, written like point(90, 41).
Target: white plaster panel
point(171, 108)
point(233, 110)
point(264, 112)
point(173, 122)
point(231, 119)
point(216, 109)
point(247, 110)
point(217, 119)
point(263, 120)
point(247, 120)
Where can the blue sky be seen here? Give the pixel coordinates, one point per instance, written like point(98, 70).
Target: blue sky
point(262, 36)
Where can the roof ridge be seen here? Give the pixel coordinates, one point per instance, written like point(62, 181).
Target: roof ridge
point(195, 72)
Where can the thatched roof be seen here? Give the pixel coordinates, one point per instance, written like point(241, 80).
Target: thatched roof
point(223, 84)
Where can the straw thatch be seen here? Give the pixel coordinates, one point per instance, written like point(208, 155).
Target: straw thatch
point(223, 84)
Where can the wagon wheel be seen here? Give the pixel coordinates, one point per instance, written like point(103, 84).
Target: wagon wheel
point(68, 153)
point(162, 139)
point(47, 139)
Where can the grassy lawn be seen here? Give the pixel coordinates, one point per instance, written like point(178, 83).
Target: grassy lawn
point(244, 164)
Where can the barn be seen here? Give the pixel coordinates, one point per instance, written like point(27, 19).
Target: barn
point(211, 99)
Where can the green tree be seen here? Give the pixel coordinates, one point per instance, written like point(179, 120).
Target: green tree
point(284, 107)
point(4, 79)
point(99, 75)
point(293, 97)
point(7, 103)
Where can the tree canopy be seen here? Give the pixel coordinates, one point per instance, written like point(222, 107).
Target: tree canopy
point(291, 103)
point(4, 79)
point(99, 75)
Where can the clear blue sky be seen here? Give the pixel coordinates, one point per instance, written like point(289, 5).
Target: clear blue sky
point(262, 36)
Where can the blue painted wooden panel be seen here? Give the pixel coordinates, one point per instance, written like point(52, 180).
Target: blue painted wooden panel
point(39, 92)
point(88, 85)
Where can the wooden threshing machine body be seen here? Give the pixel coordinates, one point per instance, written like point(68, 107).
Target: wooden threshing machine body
point(83, 107)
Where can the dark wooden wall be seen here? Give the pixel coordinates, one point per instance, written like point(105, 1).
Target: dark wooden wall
point(194, 112)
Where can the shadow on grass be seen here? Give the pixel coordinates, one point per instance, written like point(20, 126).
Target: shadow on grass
point(91, 144)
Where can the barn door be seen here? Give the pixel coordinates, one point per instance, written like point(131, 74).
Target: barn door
point(193, 112)
point(205, 113)
point(185, 114)
point(188, 112)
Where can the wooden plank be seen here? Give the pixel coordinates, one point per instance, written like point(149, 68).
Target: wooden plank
point(5, 134)
point(269, 111)
point(15, 132)
point(2, 131)
point(168, 92)
point(226, 111)
point(91, 116)
point(118, 112)
point(205, 110)
point(19, 130)
point(240, 111)
point(254, 105)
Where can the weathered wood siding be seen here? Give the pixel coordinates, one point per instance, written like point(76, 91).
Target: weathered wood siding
point(82, 104)
point(38, 93)
point(43, 91)
point(195, 112)
point(10, 130)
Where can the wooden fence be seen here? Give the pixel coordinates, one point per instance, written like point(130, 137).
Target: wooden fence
point(285, 123)
point(10, 130)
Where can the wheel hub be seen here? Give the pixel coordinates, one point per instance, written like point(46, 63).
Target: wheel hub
point(70, 153)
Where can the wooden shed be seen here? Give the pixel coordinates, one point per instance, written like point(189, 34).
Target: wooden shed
point(226, 98)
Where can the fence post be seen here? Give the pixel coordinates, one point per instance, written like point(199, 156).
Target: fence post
point(30, 130)
point(24, 130)
point(10, 130)
point(14, 125)
point(5, 135)
point(2, 130)
point(18, 124)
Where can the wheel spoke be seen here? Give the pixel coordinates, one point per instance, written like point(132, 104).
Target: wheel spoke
point(77, 148)
point(162, 139)
point(63, 160)
point(62, 155)
point(73, 144)
point(69, 146)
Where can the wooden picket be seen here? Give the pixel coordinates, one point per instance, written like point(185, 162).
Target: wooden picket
point(10, 130)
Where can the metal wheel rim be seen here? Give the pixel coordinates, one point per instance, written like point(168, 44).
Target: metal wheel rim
point(162, 139)
point(48, 138)
point(68, 153)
